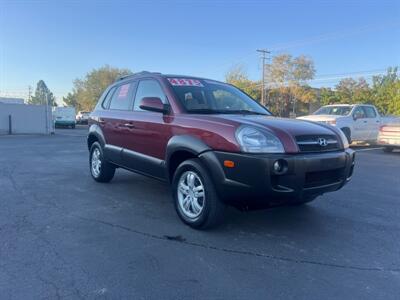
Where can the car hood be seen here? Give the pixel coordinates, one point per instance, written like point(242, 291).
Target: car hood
point(291, 126)
point(285, 129)
point(320, 118)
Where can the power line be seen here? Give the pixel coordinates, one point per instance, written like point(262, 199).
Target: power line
point(335, 35)
point(322, 80)
point(322, 38)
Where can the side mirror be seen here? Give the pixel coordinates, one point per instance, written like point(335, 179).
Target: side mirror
point(154, 104)
point(355, 117)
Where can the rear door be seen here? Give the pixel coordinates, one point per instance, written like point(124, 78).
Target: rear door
point(115, 119)
point(373, 122)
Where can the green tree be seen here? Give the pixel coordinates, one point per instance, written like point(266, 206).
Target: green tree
point(71, 100)
point(237, 76)
point(303, 69)
point(328, 96)
point(87, 91)
point(386, 92)
point(43, 95)
point(287, 77)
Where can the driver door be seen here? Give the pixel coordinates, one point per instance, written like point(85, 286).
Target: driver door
point(360, 127)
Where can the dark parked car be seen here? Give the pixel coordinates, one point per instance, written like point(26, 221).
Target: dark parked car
point(214, 145)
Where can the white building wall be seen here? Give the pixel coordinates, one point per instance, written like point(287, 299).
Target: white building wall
point(26, 119)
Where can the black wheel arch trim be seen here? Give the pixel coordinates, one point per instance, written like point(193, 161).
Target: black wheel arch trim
point(95, 131)
point(186, 143)
point(206, 155)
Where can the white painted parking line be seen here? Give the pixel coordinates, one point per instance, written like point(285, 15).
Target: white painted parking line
point(368, 149)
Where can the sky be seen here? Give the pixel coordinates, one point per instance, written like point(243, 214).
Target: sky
point(59, 41)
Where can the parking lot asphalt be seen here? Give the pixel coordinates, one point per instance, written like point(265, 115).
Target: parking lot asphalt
point(62, 235)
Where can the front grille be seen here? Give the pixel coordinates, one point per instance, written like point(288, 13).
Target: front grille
point(317, 143)
point(315, 179)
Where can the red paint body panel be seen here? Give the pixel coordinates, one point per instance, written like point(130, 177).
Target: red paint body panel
point(149, 132)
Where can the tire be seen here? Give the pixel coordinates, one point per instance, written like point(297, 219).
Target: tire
point(388, 149)
point(105, 171)
point(211, 210)
point(347, 133)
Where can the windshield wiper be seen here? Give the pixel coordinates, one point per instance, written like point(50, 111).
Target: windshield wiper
point(227, 111)
point(244, 112)
point(205, 111)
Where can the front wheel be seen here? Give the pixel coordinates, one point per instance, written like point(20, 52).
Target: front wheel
point(195, 197)
point(101, 170)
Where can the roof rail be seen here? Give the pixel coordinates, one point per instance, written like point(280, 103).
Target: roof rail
point(133, 75)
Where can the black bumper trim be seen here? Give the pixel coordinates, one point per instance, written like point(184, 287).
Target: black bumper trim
point(253, 178)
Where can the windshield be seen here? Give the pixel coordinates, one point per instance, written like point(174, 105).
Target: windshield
point(211, 97)
point(334, 110)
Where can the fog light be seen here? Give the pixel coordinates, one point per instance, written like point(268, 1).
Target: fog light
point(280, 166)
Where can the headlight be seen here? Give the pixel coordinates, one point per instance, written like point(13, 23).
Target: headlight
point(252, 140)
point(344, 139)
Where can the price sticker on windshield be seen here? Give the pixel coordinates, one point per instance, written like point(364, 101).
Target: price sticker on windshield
point(184, 82)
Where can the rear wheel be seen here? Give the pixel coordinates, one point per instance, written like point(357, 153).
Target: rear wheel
point(195, 197)
point(388, 149)
point(100, 169)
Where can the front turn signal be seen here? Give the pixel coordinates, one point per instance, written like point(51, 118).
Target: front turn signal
point(229, 163)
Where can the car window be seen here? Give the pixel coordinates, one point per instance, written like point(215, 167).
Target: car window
point(359, 113)
point(334, 110)
point(106, 101)
point(122, 98)
point(370, 112)
point(226, 100)
point(211, 97)
point(148, 88)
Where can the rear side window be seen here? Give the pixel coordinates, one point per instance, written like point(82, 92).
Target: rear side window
point(148, 88)
point(107, 99)
point(370, 112)
point(122, 97)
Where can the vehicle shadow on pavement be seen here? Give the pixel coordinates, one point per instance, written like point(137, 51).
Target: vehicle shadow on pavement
point(157, 195)
point(279, 219)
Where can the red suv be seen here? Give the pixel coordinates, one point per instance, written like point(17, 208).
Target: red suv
point(214, 144)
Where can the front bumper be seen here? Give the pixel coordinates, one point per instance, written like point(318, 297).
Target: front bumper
point(64, 123)
point(253, 179)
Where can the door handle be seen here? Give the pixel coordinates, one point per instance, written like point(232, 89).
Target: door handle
point(378, 121)
point(129, 125)
point(365, 121)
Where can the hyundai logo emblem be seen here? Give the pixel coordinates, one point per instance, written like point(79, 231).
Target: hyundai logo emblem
point(322, 142)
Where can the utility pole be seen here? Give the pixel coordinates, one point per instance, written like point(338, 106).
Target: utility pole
point(29, 93)
point(47, 113)
point(264, 54)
